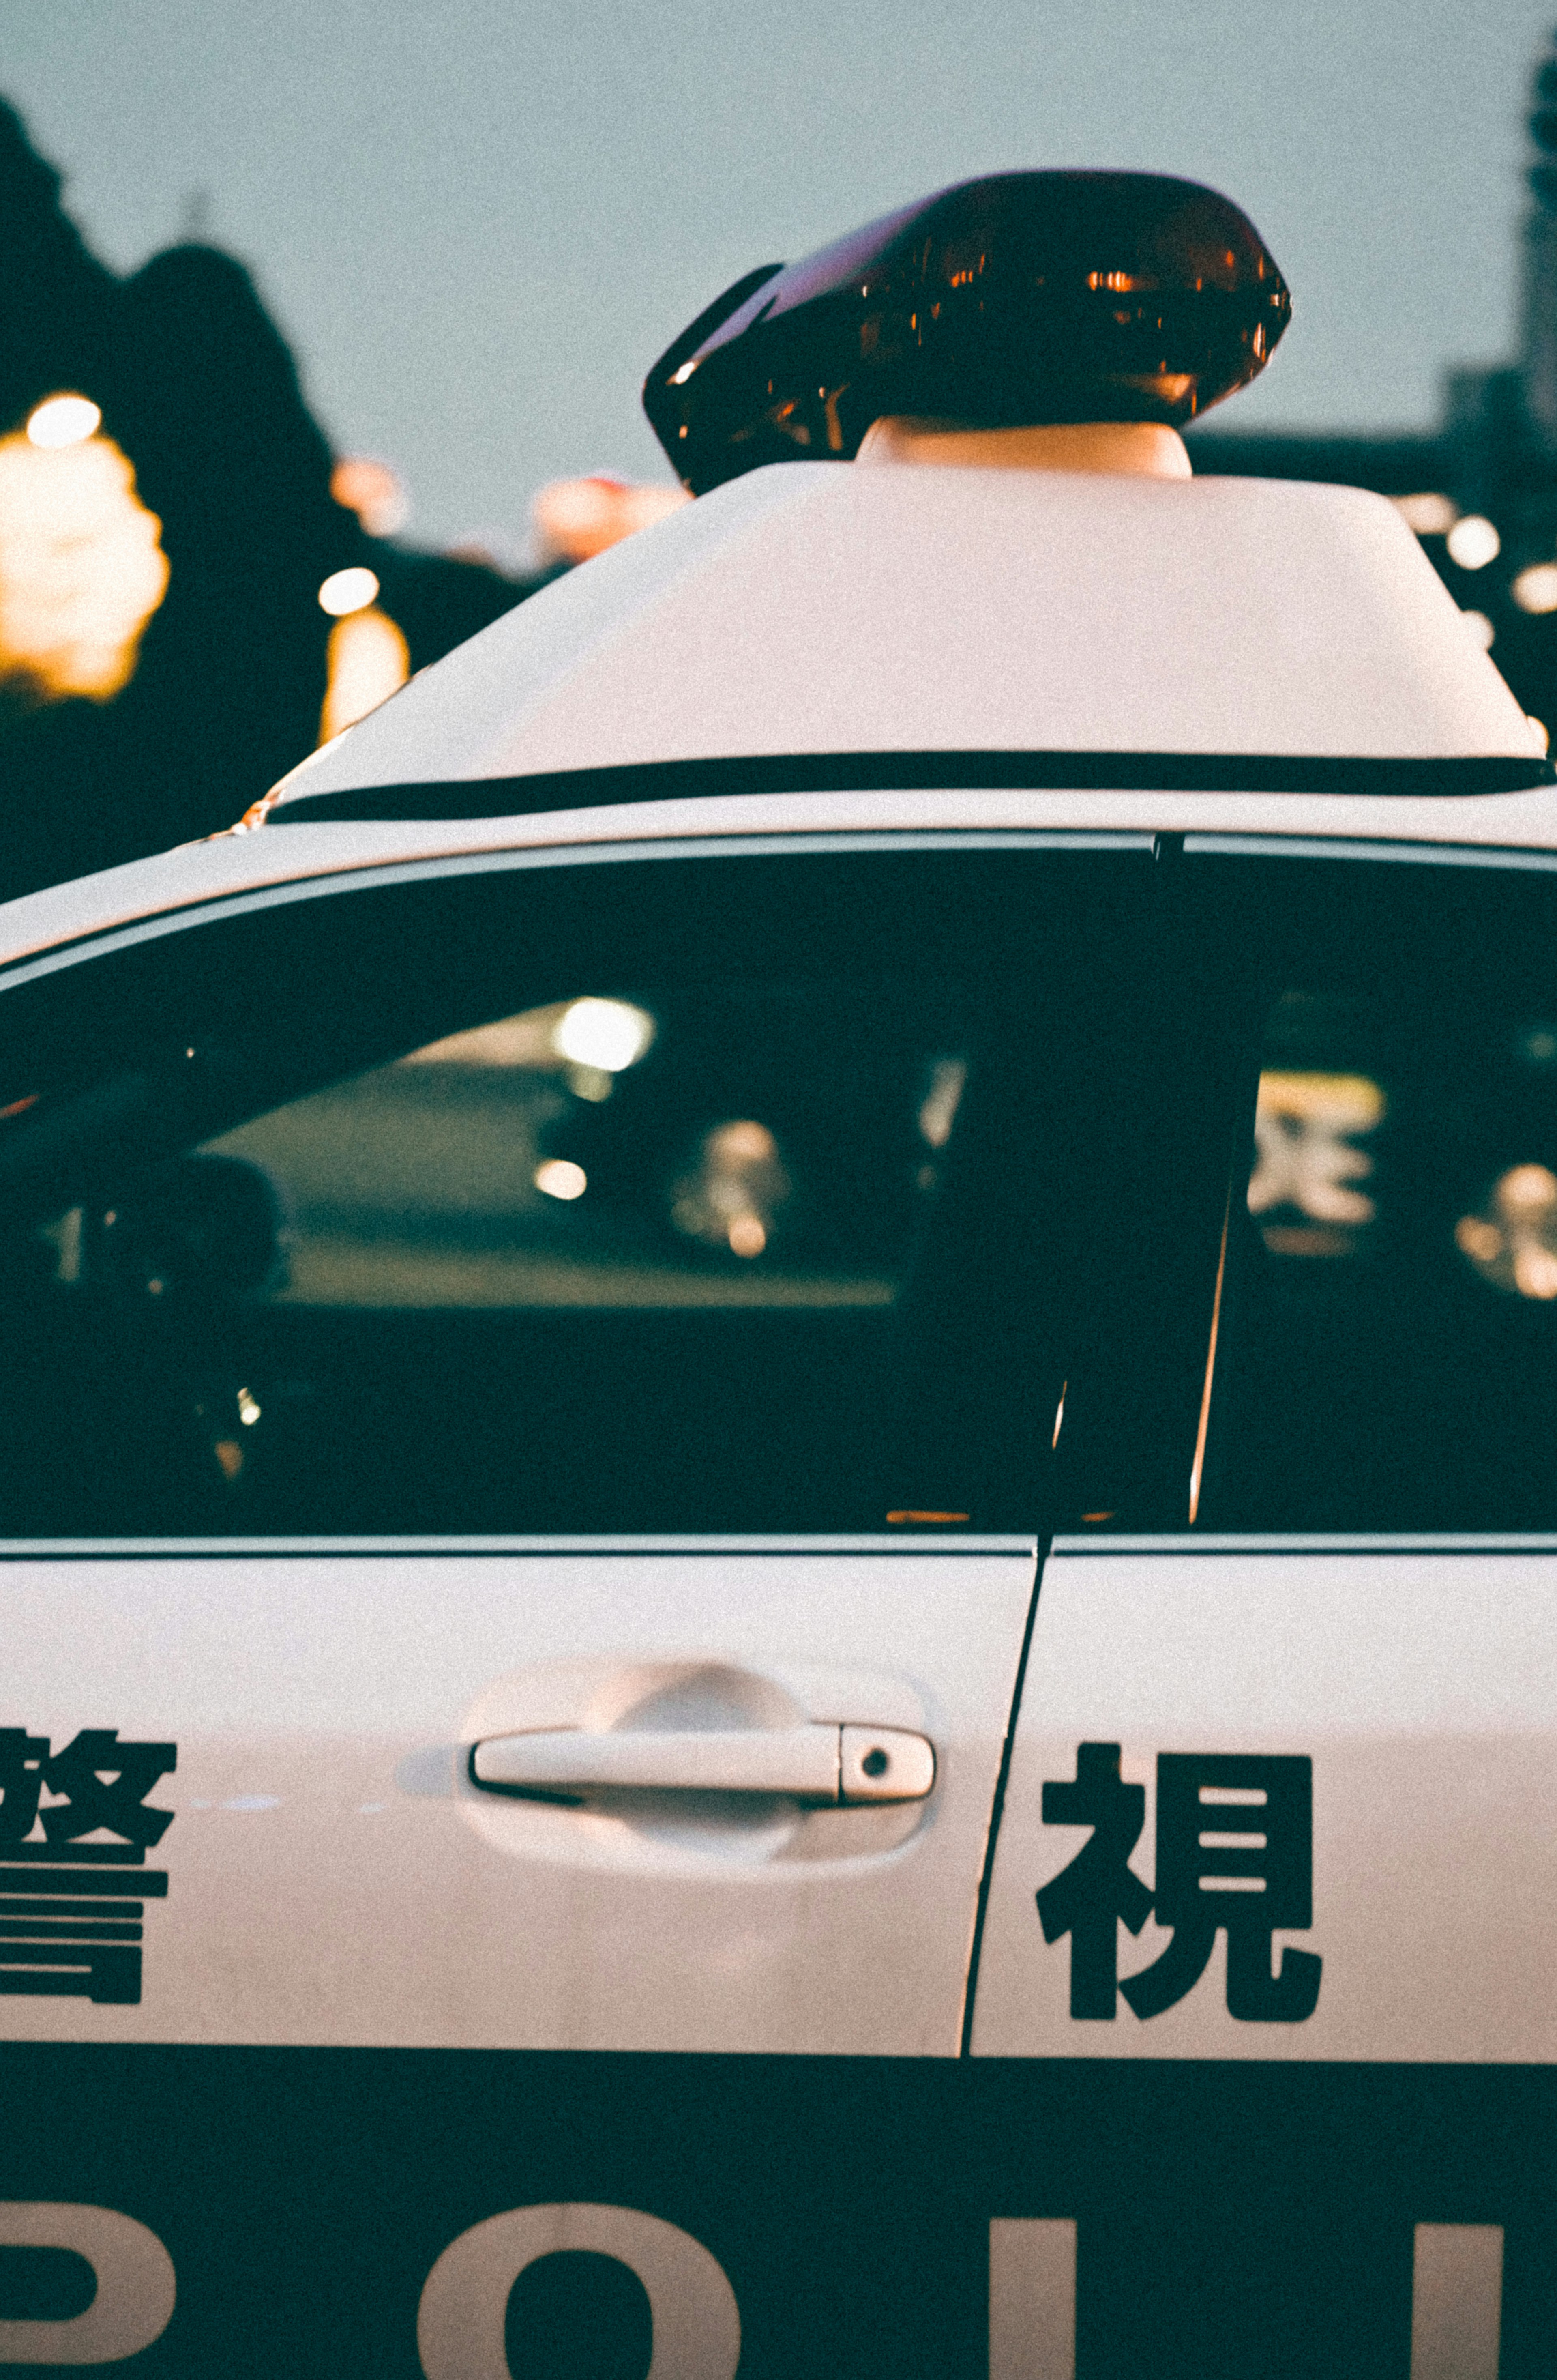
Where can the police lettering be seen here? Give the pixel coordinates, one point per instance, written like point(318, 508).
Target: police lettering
point(1234, 1853)
point(70, 1915)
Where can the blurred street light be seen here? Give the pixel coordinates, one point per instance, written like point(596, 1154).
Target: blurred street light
point(576, 519)
point(81, 567)
point(63, 421)
point(368, 660)
point(348, 591)
point(373, 491)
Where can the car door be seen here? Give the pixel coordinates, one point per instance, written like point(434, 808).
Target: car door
point(523, 1448)
point(1267, 1968)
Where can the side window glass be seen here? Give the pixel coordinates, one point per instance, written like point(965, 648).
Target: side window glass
point(1389, 1355)
point(619, 1259)
point(743, 1196)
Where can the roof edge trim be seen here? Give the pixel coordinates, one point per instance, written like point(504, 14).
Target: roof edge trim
point(831, 773)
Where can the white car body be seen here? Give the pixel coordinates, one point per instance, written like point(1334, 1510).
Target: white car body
point(814, 2074)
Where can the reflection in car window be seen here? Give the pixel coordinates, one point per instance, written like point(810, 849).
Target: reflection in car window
point(748, 1148)
point(711, 1194)
point(1308, 1135)
point(1389, 1358)
point(1512, 1239)
point(326, 1306)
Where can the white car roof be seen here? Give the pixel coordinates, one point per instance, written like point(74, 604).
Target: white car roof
point(918, 649)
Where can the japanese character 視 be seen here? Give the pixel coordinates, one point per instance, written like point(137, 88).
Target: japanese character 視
point(1234, 1853)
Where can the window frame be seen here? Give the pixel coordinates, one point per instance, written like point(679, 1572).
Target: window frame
point(514, 858)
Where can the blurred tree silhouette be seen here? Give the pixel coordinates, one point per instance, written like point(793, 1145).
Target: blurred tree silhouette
point(198, 388)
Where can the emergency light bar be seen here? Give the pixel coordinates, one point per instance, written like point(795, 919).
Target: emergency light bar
point(1018, 299)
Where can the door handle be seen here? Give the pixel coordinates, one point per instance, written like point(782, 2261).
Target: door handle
point(823, 1764)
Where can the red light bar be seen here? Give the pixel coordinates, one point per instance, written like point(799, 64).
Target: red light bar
point(1018, 299)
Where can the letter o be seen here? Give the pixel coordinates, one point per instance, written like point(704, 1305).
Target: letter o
point(135, 2284)
point(464, 2304)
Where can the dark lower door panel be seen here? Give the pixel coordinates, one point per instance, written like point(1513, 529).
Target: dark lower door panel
point(1234, 2222)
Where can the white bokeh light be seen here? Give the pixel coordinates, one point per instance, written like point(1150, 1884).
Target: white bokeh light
point(1473, 542)
point(1536, 589)
point(607, 1034)
point(63, 421)
point(560, 1178)
point(347, 590)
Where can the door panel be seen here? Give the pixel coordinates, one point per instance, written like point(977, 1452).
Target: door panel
point(1275, 1873)
point(333, 1876)
point(1291, 1795)
point(656, 1199)
point(1419, 1686)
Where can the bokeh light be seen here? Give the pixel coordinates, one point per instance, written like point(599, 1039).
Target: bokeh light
point(369, 661)
point(1429, 514)
point(1536, 589)
point(63, 421)
point(346, 592)
point(373, 491)
point(607, 1034)
point(576, 519)
point(1473, 542)
point(1513, 1242)
point(81, 568)
point(558, 1178)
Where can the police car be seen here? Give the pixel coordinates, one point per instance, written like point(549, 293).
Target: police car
point(777, 1440)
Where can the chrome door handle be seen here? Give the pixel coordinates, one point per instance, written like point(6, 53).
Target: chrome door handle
point(823, 1764)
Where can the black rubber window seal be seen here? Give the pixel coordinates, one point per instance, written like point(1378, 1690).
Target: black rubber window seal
point(804, 773)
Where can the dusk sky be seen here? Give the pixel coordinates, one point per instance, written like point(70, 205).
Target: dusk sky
point(478, 222)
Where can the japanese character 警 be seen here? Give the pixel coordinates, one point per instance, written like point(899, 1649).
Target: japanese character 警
point(1233, 1853)
point(72, 1904)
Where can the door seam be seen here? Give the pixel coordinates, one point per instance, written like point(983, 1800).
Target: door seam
point(997, 1805)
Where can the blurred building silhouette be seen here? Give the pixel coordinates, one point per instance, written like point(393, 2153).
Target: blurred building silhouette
point(1481, 488)
point(226, 683)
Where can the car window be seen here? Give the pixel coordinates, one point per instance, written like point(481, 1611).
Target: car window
point(712, 1195)
point(1388, 1355)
